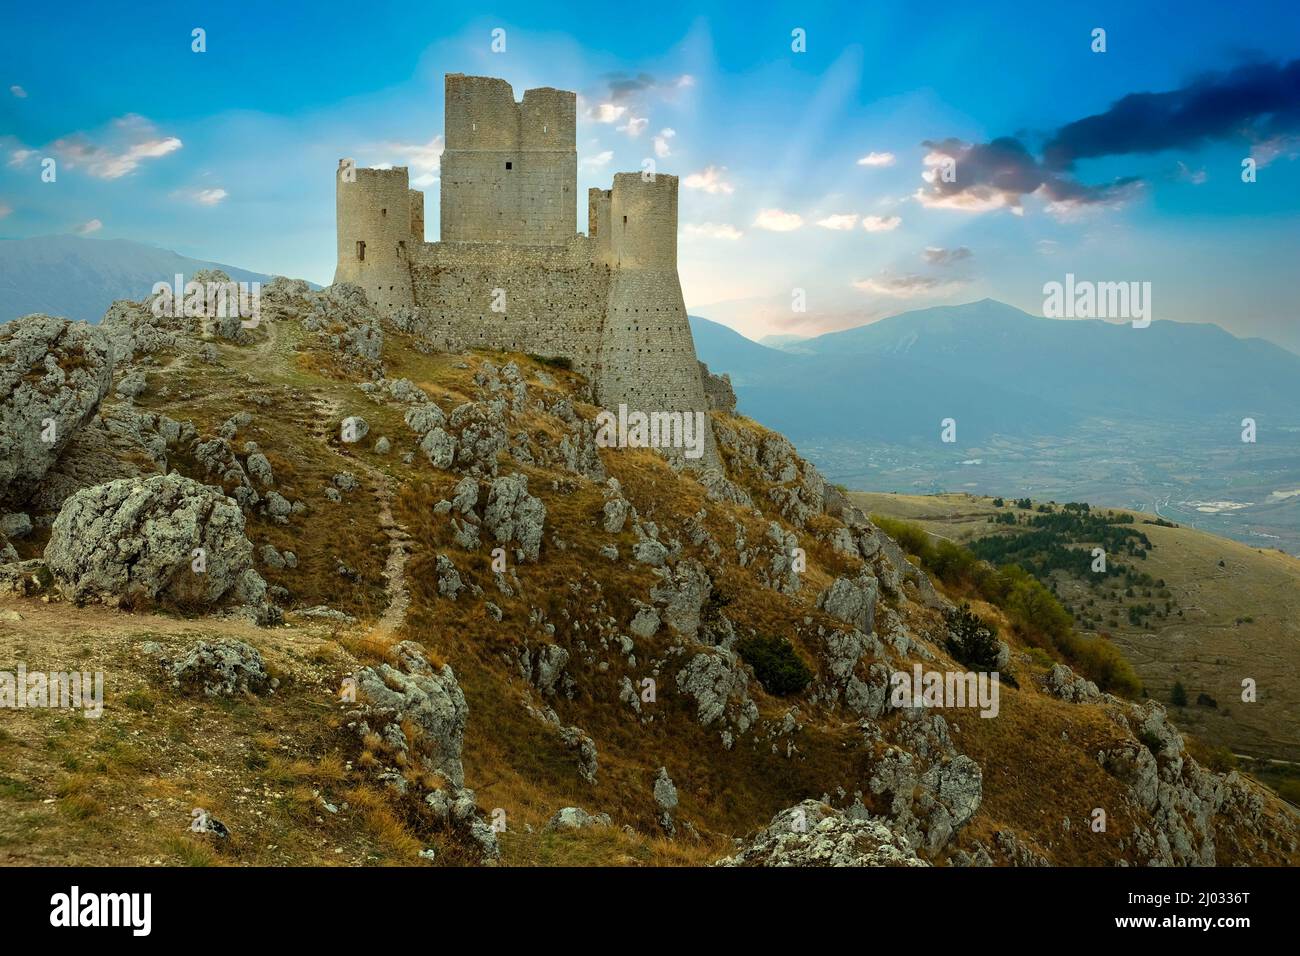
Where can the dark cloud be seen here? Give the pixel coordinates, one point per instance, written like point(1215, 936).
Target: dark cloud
point(999, 174)
point(1260, 101)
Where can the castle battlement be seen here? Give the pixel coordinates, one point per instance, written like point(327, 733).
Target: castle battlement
point(510, 269)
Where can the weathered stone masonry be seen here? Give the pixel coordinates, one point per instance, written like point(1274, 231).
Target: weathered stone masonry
point(609, 301)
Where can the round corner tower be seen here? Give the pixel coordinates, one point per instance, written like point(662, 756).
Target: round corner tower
point(375, 233)
point(647, 353)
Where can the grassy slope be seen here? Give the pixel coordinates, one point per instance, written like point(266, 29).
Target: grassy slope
point(1209, 649)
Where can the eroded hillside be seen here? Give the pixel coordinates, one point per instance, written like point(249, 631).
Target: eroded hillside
point(437, 623)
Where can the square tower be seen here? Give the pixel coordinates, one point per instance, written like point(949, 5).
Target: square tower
point(509, 170)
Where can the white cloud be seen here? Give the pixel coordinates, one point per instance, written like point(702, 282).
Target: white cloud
point(661, 142)
point(1194, 176)
point(712, 230)
point(975, 199)
point(86, 228)
point(18, 91)
point(881, 223)
point(423, 160)
point(133, 140)
point(778, 220)
point(599, 161)
point(607, 113)
point(877, 159)
point(5, 210)
point(634, 126)
point(204, 197)
point(1265, 151)
point(710, 179)
point(843, 220)
point(20, 156)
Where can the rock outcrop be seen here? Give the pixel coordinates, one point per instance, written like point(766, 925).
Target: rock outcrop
point(53, 375)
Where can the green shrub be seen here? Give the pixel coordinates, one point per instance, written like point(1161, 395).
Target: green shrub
point(972, 640)
point(776, 664)
point(1102, 663)
point(1178, 696)
point(1289, 790)
point(1033, 610)
point(912, 538)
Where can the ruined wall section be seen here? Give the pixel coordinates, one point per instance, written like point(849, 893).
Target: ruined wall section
point(509, 170)
point(373, 217)
point(417, 217)
point(554, 298)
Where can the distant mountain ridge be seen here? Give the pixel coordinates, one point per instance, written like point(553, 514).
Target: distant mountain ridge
point(80, 277)
point(999, 370)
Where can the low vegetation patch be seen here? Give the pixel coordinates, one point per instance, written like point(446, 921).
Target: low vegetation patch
point(1037, 617)
point(777, 666)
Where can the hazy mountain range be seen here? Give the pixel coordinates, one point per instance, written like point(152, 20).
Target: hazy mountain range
point(80, 277)
point(998, 370)
point(1147, 418)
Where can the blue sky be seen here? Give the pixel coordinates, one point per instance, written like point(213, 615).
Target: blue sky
point(799, 170)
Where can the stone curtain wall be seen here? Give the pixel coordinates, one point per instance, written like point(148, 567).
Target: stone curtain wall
point(509, 170)
point(554, 297)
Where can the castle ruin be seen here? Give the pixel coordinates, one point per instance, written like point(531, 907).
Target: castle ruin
point(511, 271)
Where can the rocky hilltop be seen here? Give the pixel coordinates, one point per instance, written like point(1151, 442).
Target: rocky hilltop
point(356, 601)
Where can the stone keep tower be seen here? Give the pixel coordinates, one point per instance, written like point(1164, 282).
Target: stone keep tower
point(509, 170)
point(380, 222)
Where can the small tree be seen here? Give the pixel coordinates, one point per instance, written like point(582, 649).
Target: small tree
point(1178, 696)
point(972, 640)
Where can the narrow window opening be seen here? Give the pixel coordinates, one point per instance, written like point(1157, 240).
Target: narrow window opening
point(509, 165)
point(361, 251)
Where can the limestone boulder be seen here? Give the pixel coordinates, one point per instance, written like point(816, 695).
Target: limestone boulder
point(165, 538)
point(513, 515)
point(665, 794)
point(681, 594)
point(219, 669)
point(852, 600)
point(813, 834)
point(575, 818)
